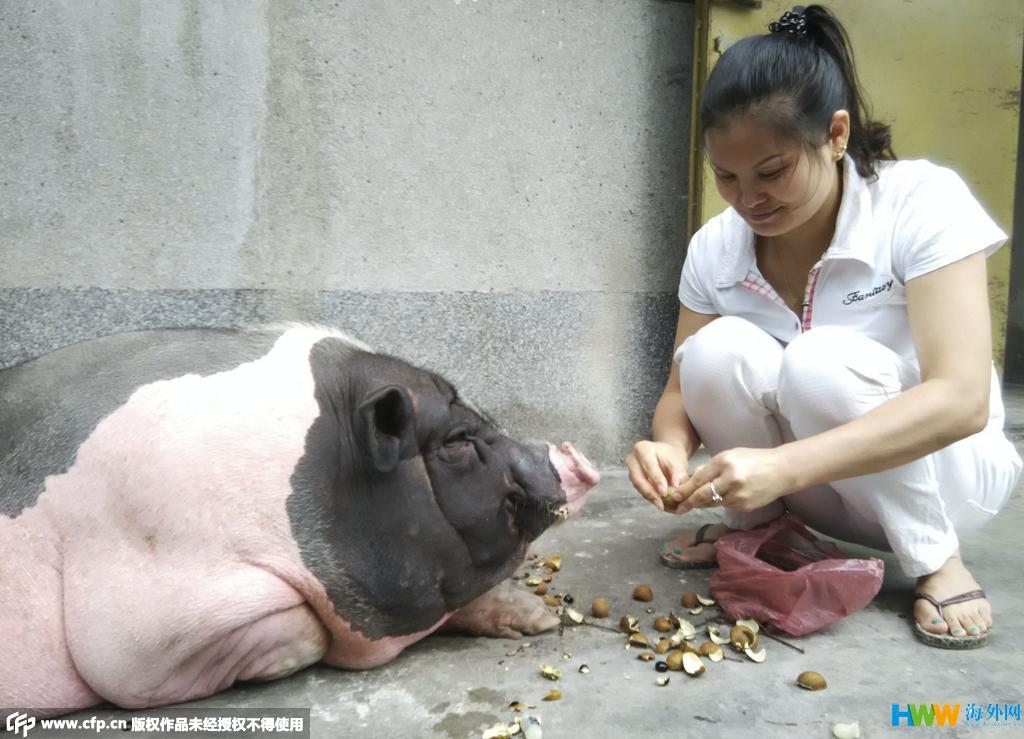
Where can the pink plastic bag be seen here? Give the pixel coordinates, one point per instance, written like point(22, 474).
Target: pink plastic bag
point(787, 579)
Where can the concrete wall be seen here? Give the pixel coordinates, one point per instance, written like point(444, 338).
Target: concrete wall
point(491, 188)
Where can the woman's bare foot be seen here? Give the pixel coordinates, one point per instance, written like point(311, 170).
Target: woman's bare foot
point(972, 618)
point(683, 553)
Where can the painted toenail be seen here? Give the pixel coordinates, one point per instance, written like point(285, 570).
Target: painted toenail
point(973, 630)
point(677, 550)
point(958, 631)
point(936, 621)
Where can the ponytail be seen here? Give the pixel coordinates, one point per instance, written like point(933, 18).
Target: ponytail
point(793, 79)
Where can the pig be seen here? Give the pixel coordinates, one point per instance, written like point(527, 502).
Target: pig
point(183, 509)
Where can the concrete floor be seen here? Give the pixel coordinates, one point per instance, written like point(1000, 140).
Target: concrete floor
point(455, 687)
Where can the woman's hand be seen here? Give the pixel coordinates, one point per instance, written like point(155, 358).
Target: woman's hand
point(744, 479)
point(656, 468)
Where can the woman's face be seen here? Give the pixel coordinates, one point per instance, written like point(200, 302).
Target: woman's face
point(775, 184)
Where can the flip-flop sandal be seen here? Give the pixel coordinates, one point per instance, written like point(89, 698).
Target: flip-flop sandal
point(945, 641)
point(670, 559)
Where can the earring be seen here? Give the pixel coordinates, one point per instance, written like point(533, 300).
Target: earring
point(840, 152)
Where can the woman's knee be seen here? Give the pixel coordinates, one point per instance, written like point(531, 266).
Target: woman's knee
point(726, 349)
point(831, 375)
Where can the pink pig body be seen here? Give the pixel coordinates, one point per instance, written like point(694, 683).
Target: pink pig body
point(161, 566)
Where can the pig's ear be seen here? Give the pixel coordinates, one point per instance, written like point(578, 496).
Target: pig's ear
point(386, 427)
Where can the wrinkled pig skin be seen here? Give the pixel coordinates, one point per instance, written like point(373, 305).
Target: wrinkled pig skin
point(182, 509)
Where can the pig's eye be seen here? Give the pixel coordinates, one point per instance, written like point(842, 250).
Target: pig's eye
point(460, 445)
point(457, 436)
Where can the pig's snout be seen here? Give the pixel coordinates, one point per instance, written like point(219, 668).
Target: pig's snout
point(576, 473)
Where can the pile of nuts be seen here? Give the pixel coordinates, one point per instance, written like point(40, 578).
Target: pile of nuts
point(675, 648)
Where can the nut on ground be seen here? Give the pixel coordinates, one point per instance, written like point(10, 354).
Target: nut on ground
point(811, 681)
point(643, 593)
point(675, 661)
point(712, 651)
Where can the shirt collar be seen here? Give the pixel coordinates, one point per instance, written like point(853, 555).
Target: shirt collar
point(851, 240)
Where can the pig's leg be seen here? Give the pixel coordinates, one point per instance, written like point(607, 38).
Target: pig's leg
point(504, 611)
point(284, 643)
point(253, 628)
point(273, 646)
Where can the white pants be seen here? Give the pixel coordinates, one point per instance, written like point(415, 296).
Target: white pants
point(742, 388)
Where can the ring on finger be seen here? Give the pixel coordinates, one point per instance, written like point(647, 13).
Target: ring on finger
point(716, 497)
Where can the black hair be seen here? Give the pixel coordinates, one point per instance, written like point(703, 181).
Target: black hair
point(793, 79)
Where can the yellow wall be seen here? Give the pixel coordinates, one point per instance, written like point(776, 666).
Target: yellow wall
point(945, 74)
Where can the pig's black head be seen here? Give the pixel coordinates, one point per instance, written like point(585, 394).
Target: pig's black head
point(408, 503)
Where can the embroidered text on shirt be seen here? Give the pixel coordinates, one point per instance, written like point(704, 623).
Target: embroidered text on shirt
point(857, 295)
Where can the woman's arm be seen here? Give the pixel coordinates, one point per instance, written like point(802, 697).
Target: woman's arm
point(654, 466)
point(949, 321)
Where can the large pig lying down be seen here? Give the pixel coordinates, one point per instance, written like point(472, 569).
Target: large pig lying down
point(183, 509)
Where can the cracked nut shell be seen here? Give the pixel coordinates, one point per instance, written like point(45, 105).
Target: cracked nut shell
point(741, 637)
point(637, 639)
point(692, 664)
point(811, 681)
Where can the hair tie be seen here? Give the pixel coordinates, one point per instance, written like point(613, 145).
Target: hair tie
point(792, 21)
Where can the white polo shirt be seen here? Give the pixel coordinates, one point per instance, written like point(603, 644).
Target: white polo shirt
point(915, 217)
